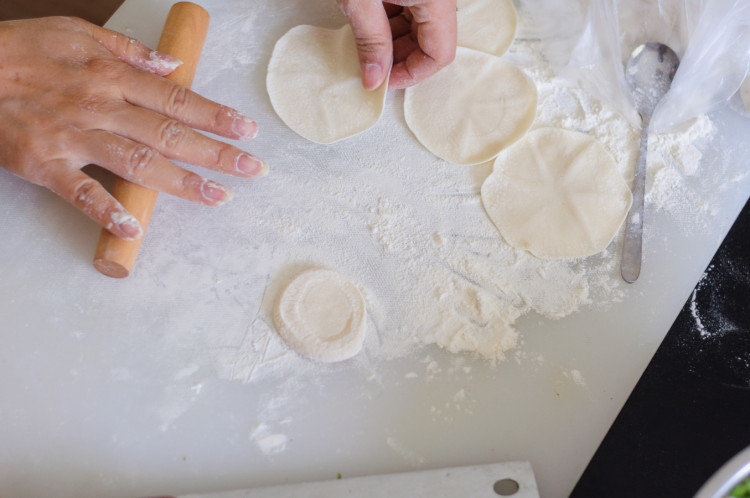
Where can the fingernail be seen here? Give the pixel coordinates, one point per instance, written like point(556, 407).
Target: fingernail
point(126, 224)
point(216, 193)
point(372, 76)
point(251, 166)
point(244, 127)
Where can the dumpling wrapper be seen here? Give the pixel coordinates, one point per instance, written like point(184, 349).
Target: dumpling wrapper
point(322, 315)
point(315, 85)
point(486, 25)
point(472, 109)
point(557, 194)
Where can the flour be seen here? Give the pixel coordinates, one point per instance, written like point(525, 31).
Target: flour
point(577, 377)
point(268, 442)
point(710, 320)
point(696, 315)
point(410, 229)
point(407, 454)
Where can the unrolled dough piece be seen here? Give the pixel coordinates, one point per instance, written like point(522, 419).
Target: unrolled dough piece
point(472, 109)
point(321, 315)
point(557, 194)
point(486, 25)
point(315, 84)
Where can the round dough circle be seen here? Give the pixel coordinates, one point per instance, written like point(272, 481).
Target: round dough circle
point(557, 194)
point(486, 25)
point(321, 315)
point(472, 109)
point(315, 84)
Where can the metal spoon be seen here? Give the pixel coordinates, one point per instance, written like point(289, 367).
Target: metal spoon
point(649, 73)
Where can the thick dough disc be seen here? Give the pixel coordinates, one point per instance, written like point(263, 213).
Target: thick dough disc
point(321, 315)
point(486, 25)
point(315, 84)
point(472, 109)
point(557, 194)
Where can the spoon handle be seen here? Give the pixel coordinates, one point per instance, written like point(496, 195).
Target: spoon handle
point(630, 267)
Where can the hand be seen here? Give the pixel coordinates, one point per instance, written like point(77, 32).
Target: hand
point(418, 36)
point(72, 94)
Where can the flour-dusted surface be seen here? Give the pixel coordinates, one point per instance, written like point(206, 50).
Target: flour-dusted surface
point(434, 268)
point(174, 381)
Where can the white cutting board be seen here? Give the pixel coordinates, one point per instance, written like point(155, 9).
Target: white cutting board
point(96, 401)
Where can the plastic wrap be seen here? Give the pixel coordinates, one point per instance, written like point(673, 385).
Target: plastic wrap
point(590, 41)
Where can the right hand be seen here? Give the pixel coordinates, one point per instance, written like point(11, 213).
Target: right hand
point(417, 36)
point(72, 94)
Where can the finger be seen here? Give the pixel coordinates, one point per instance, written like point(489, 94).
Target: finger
point(407, 14)
point(131, 50)
point(399, 26)
point(139, 163)
point(92, 199)
point(176, 140)
point(403, 47)
point(372, 35)
point(392, 10)
point(177, 102)
point(436, 36)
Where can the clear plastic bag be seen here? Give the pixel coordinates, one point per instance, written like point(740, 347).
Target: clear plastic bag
point(590, 41)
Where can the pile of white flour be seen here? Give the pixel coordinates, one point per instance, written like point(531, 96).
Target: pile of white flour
point(410, 230)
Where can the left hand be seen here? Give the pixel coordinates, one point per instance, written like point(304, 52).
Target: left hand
point(417, 36)
point(72, 94)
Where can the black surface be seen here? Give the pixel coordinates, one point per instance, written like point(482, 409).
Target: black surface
point(690, 411)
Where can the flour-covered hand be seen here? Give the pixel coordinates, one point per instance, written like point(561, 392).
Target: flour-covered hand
point(417, 36)
point(72, 94)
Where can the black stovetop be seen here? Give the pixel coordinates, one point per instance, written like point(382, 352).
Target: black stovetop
point(690, 411)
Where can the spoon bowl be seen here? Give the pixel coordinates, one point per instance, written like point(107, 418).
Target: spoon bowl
point(649, 73)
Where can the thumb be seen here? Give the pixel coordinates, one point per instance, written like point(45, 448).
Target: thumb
point(130, 50)
point(372, 33)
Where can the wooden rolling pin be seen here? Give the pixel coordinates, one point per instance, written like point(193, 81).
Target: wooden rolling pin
point(183, 36)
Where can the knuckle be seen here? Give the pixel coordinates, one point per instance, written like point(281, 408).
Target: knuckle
point(139, 159)
point(82, 194)
point(95, 104)
point(172, 133)
point(224, 155)
point(106, 67)
point(71, 22)
point(177, 100)
point(27, 144)
point(41, 173)
point(32, 170)
point(189, 182)
point(30, 154)
point(70, 19)
point(223, 117)
point(127, 45)
point(371, 45)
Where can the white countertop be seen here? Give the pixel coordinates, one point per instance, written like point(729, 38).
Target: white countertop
point(100, 398)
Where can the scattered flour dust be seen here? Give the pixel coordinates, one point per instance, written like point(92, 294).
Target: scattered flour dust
point(267, 441)
point(410, 231)
point(407, 454)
